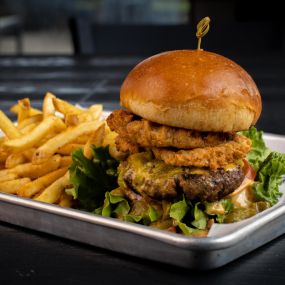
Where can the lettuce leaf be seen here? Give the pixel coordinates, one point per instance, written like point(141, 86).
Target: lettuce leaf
point(200, 218)
point(114, 206)
point(259, 151)
point(189, 219)
point(269, 165)
point(269, 178)
point(178, 210)
point(146, 217)
point(91, 179)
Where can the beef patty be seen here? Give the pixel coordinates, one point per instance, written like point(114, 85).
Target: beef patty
point(154, 178)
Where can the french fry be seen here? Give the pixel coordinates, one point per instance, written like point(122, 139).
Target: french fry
point(15, 159)
point(24, 109)
point(29, 140)
point(96, 111)
point(35, 155)
point(71, 119)
point(65, 200)
point(48, 106)
point(27, 129)
point(12, 186)
point(64, 107)
point(34, 171)
point(28, 153)
point(8, 127)
point(97, 139)
point(69, 148)
point(3, 155)
point(2, 139)
point(53, 192)
point(44, 152)
point(109, 139)
point(32, 188)
point(33, 111)
point(82, 139)
point(31, 120)
point(10, 176)
point(65, 161)
point(91, 114)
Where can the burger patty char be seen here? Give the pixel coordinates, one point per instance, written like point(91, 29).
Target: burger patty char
point(212, 187)
point(159, 181)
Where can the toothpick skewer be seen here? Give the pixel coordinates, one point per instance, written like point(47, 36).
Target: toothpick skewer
point(202, 29)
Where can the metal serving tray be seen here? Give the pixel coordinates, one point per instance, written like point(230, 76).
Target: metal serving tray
point(224, 243)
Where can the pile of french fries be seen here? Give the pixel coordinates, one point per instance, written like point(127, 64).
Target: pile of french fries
point(35, 152)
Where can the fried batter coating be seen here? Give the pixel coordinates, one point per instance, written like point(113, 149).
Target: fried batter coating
point(117, 121)
point(210, 157)
point(124, 145)
point(148, 134)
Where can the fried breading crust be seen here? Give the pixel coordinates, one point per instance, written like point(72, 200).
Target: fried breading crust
point(210, 157)
point(148, 134)
point(124, 145)
point(117, 121)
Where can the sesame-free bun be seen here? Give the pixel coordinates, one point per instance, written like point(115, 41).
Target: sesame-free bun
point(192, 89)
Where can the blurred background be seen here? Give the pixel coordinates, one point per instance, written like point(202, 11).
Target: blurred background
point(82, 49)
point(137, 26)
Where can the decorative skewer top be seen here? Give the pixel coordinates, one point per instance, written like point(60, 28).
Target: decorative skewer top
point(202, 29)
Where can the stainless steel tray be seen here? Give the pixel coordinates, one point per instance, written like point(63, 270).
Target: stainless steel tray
point(224, 243)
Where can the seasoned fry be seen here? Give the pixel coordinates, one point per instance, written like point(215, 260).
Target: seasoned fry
point(16, 108)
point(32, 188)
point(82, 139)
point(8, 127)
point(109, 140)
point(65, 161)
point(29, 140)
point(24, 109)
point(96, 111)
point(36, 153)
point(64, 107)
point(3, 155)
point(91, 114)
point(44, 152)
point(2, 139)
point(28, 128)
point(97, 139)
point(71, 119)
point(48, 106)
point(31, 120)
point(28, 153)
point(33, 171)
point(52, 193)
point(15, 159)
point(65, 200)
point(69, 148)
point(8, 177)
point(12, 186)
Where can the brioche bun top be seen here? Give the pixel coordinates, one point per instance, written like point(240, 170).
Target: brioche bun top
point(192, 89)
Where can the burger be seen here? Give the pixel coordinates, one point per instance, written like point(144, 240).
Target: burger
point(179, 131)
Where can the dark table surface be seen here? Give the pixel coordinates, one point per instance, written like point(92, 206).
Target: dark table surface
point(35, 258)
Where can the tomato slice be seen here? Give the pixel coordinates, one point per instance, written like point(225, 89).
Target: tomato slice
point(248, 170)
